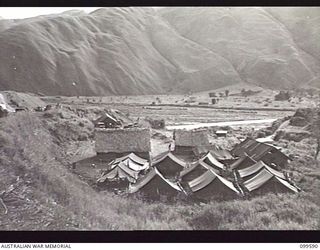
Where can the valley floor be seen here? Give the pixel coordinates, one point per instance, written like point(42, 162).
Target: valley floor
point(42, 192)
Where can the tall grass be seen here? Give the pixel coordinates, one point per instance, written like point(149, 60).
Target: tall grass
point(51, 197)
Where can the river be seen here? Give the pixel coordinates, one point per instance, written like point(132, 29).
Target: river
point(220, 124)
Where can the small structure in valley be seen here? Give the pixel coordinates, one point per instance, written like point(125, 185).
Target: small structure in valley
point(221, 133)
point(113, 119)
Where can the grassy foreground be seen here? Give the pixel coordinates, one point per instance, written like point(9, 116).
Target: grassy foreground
point(41, 193)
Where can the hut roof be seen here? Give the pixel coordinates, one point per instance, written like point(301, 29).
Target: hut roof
point(262, 178)
point(120, 171)
point(123, 140)
point(207, 178)
point(152, 174)
point(131, 165)
point(200, 150)
point(114, 116)
point(187, 138)
point(221, 132)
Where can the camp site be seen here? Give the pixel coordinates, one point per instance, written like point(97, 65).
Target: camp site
point(130, 119)
point(115, 155)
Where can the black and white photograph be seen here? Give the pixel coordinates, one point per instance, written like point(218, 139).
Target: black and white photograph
point(159, 118)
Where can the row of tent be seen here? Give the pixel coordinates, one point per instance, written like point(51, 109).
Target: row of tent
point(169, 176)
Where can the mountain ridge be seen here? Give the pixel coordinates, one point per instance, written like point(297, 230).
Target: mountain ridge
point(140, 50)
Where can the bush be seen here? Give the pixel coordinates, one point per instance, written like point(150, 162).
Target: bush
point(282, 96)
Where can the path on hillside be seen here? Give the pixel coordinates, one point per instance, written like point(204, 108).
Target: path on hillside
point(220, 124)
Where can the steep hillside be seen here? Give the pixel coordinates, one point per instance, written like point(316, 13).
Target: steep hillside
point(121, 51)
point(259, 46)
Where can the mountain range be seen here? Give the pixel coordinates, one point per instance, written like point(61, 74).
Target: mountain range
point(140, 50)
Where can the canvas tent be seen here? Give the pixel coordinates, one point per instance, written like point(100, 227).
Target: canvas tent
point(154, 185)
point(243, 162)
point(213, 162)
point(268, 153)
point(120, 171)
point(133, 161)
point(211, 185)
point(243, 146)
point(119, 177)
point(248, 172)
point(194, 171)
point(221, 154)
point(169, 165)
point(127, 168)
point(266, 181)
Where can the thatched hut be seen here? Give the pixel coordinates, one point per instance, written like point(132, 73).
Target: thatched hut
point(123, 141)
point(187, 140)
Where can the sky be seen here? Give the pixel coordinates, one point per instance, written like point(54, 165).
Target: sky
point(25, 12)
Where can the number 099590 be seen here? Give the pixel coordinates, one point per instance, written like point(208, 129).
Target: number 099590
point(309, 246)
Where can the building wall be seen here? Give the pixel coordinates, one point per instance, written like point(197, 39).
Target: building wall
point(123, 140)
point(191, 138)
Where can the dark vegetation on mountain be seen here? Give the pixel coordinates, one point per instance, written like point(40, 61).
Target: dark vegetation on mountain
point(122, 51)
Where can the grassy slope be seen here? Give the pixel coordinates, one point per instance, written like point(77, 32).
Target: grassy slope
point(41, 192)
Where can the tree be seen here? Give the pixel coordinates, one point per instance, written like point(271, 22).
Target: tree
point(316, 131)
